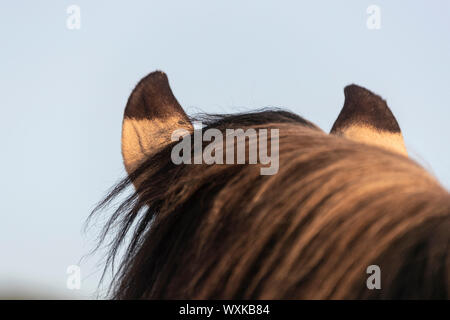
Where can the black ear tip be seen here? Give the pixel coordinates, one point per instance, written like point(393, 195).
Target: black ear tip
point(158, 74)
point(365, 107)
point(152, 97)
point(352, 88)
point(156, 78)
point(362, 98)
point(354, 91)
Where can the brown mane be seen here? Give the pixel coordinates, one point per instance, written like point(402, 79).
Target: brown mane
point(308, 232)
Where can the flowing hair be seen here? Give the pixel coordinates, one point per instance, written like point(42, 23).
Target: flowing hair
point(335, 207)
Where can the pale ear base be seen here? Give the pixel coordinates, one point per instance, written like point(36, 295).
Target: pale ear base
point(365, 117)
point(151, 115)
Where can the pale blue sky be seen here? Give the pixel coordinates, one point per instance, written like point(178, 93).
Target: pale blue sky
point(62, 94)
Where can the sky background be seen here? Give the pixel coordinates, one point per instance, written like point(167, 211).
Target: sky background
point(62, 95)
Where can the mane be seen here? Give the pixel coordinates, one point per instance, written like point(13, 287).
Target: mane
point(308, 232)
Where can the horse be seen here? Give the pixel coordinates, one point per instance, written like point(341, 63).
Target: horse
point(339, 204)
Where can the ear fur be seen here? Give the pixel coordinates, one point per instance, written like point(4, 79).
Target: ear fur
point(365, 117)
point(151, 115)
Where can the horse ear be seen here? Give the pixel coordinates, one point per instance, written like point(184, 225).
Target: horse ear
point(151, 115)
point(366, 118)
